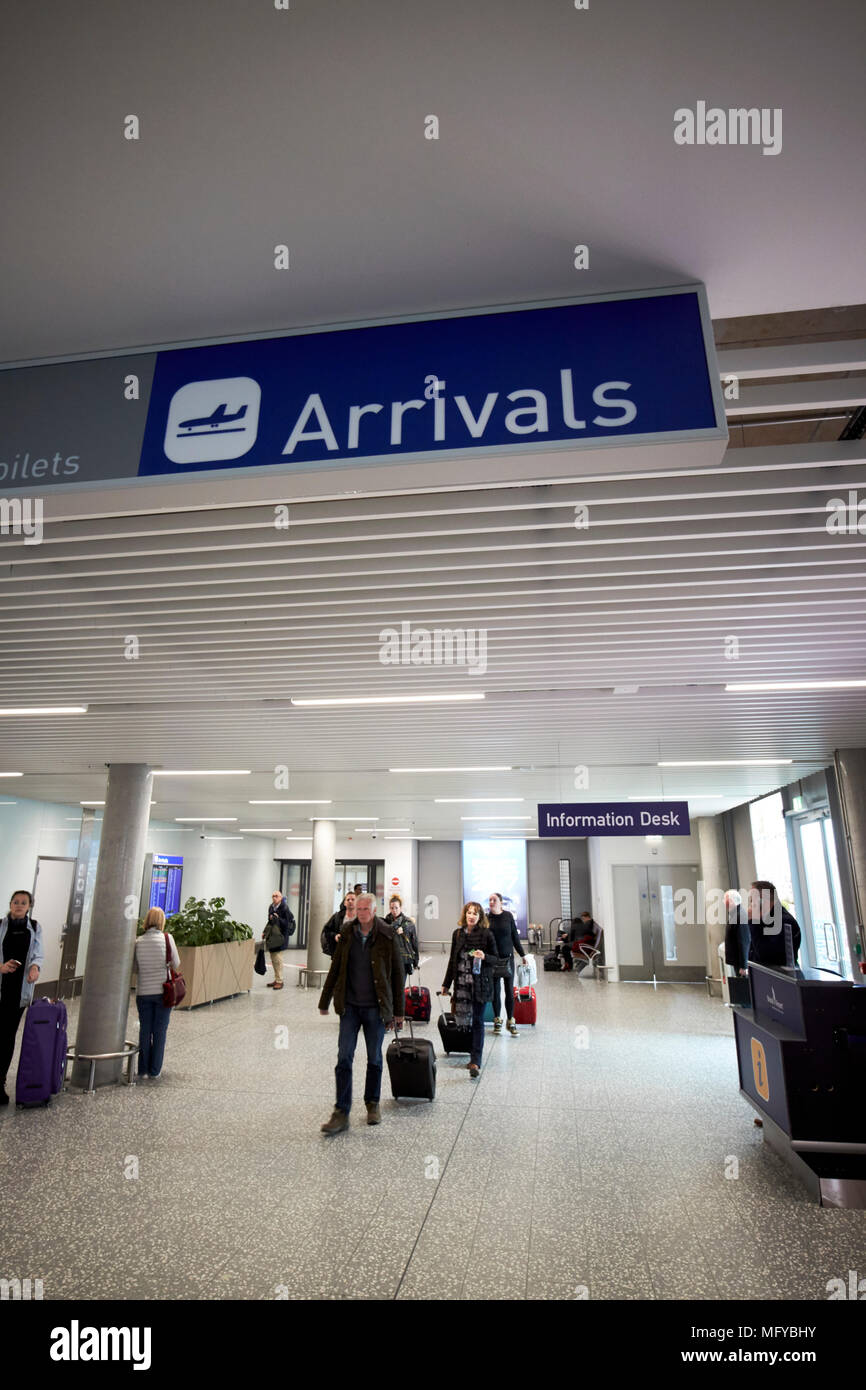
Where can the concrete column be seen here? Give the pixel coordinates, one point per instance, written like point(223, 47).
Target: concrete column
point(851, 775)
point(321, 889)
point(715, 876)
point(116, 898)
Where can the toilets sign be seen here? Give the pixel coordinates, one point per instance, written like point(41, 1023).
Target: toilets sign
point(619, 370)
point(614, 818)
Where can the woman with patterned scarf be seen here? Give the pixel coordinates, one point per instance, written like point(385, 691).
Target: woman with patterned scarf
point(470, 969)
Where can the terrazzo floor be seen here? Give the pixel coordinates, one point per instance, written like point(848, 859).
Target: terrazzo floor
point(582, 1163)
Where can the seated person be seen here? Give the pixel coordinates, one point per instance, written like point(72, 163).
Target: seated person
point(582, 937)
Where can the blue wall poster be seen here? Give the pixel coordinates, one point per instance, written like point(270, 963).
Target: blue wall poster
point(497, 866)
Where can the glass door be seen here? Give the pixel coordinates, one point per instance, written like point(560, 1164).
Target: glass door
point(295, 885)
point(825, 937)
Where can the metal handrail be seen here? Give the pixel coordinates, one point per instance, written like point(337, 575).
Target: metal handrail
point(130, 1051)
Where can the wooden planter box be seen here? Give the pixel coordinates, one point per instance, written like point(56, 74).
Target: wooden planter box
point(215, 972)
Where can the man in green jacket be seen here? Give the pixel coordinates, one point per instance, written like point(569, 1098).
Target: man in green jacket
point(365, 982)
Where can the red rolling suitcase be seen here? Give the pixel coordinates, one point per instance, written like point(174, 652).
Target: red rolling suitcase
point(525, 1005)
point(417, 1003)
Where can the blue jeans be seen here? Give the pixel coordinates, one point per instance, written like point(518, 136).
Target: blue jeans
point(153, 1019)
point(477, 1032)
point(352, 1020)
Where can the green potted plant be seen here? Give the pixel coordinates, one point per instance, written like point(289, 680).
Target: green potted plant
point(216, 953)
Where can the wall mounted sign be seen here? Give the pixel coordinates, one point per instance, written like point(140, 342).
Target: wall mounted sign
point(614, 818)
point(620, 370)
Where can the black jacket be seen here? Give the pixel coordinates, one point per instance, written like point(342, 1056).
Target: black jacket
point(331, 930)
point(408, 942)
point(280, 920)
point(479, 939)
point(388, 974)
point(505, 934)
point(767, 945)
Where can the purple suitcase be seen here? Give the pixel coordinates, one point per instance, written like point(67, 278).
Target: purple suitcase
point(43, 1053)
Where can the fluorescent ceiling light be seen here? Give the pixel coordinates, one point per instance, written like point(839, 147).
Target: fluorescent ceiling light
point(491, 767)
point(746, 687)
point(361, 817)
point(734, 762)
point(377, 829)
point(294, 803)
point(101, 803)
point(653, 839)
point(482, 816)
point(204, 820)
point(474, 800)
point(43, 709)
point(223, 837)
point(266, 829)
point(408, 837)
point(682, 796)
point(8, 803)
point(393, 699)
point(208, 772)
point(11, 774)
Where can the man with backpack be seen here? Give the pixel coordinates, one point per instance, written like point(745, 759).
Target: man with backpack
point(334, 925)
point(280, 926)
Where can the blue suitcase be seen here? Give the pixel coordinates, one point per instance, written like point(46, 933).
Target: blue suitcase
point(43, 1053)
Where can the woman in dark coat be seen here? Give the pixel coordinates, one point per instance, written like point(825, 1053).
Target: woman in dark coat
point(473, 942)
point(21, 952)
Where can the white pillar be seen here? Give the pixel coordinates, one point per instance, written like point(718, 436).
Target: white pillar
point(323, 860)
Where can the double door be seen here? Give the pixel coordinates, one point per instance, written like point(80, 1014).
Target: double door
point(656, 908)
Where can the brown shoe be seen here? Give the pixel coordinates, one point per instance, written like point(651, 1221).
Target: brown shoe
point(373, 1116)
point(337, 1123)
point(271, 984)
point(474, 1069)
point(278, 984)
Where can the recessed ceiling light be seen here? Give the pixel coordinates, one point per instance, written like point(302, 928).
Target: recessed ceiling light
point(101, 803)
point(747, 687)
point(490, 767)
point(320, 802)
point(199, 772)
point(681, 796)
point(734, 762)
point(204, 820)
point(377, 829)
point(362, 817)
point(42, 709)
point(475, 800)
point(486, 817)
point(393, 699)
point(223, 837)
point(11, 774)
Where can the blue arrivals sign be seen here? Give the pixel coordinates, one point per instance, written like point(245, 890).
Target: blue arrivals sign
point(614, 818)
point(582, 374)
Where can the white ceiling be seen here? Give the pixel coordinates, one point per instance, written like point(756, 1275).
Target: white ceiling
point(260, 127)
point(306, 128)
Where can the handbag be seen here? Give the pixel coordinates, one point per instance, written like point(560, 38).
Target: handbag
point(260, 966)
point(174, 987)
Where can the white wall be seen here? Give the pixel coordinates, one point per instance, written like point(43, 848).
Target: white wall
point(607, 850)
point(28, 829)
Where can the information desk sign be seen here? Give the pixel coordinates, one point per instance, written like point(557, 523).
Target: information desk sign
point(613, 818)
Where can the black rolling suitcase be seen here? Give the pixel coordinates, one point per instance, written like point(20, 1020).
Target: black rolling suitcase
point(412, 1067)
point(454, 1039)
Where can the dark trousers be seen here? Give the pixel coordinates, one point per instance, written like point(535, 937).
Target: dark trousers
point(507, 982)
point(153, 1019)
point(352, 1020)
point(477, 1032)
point(10, 1018)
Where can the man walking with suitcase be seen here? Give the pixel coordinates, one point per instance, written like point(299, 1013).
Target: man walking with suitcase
point(365, 982)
